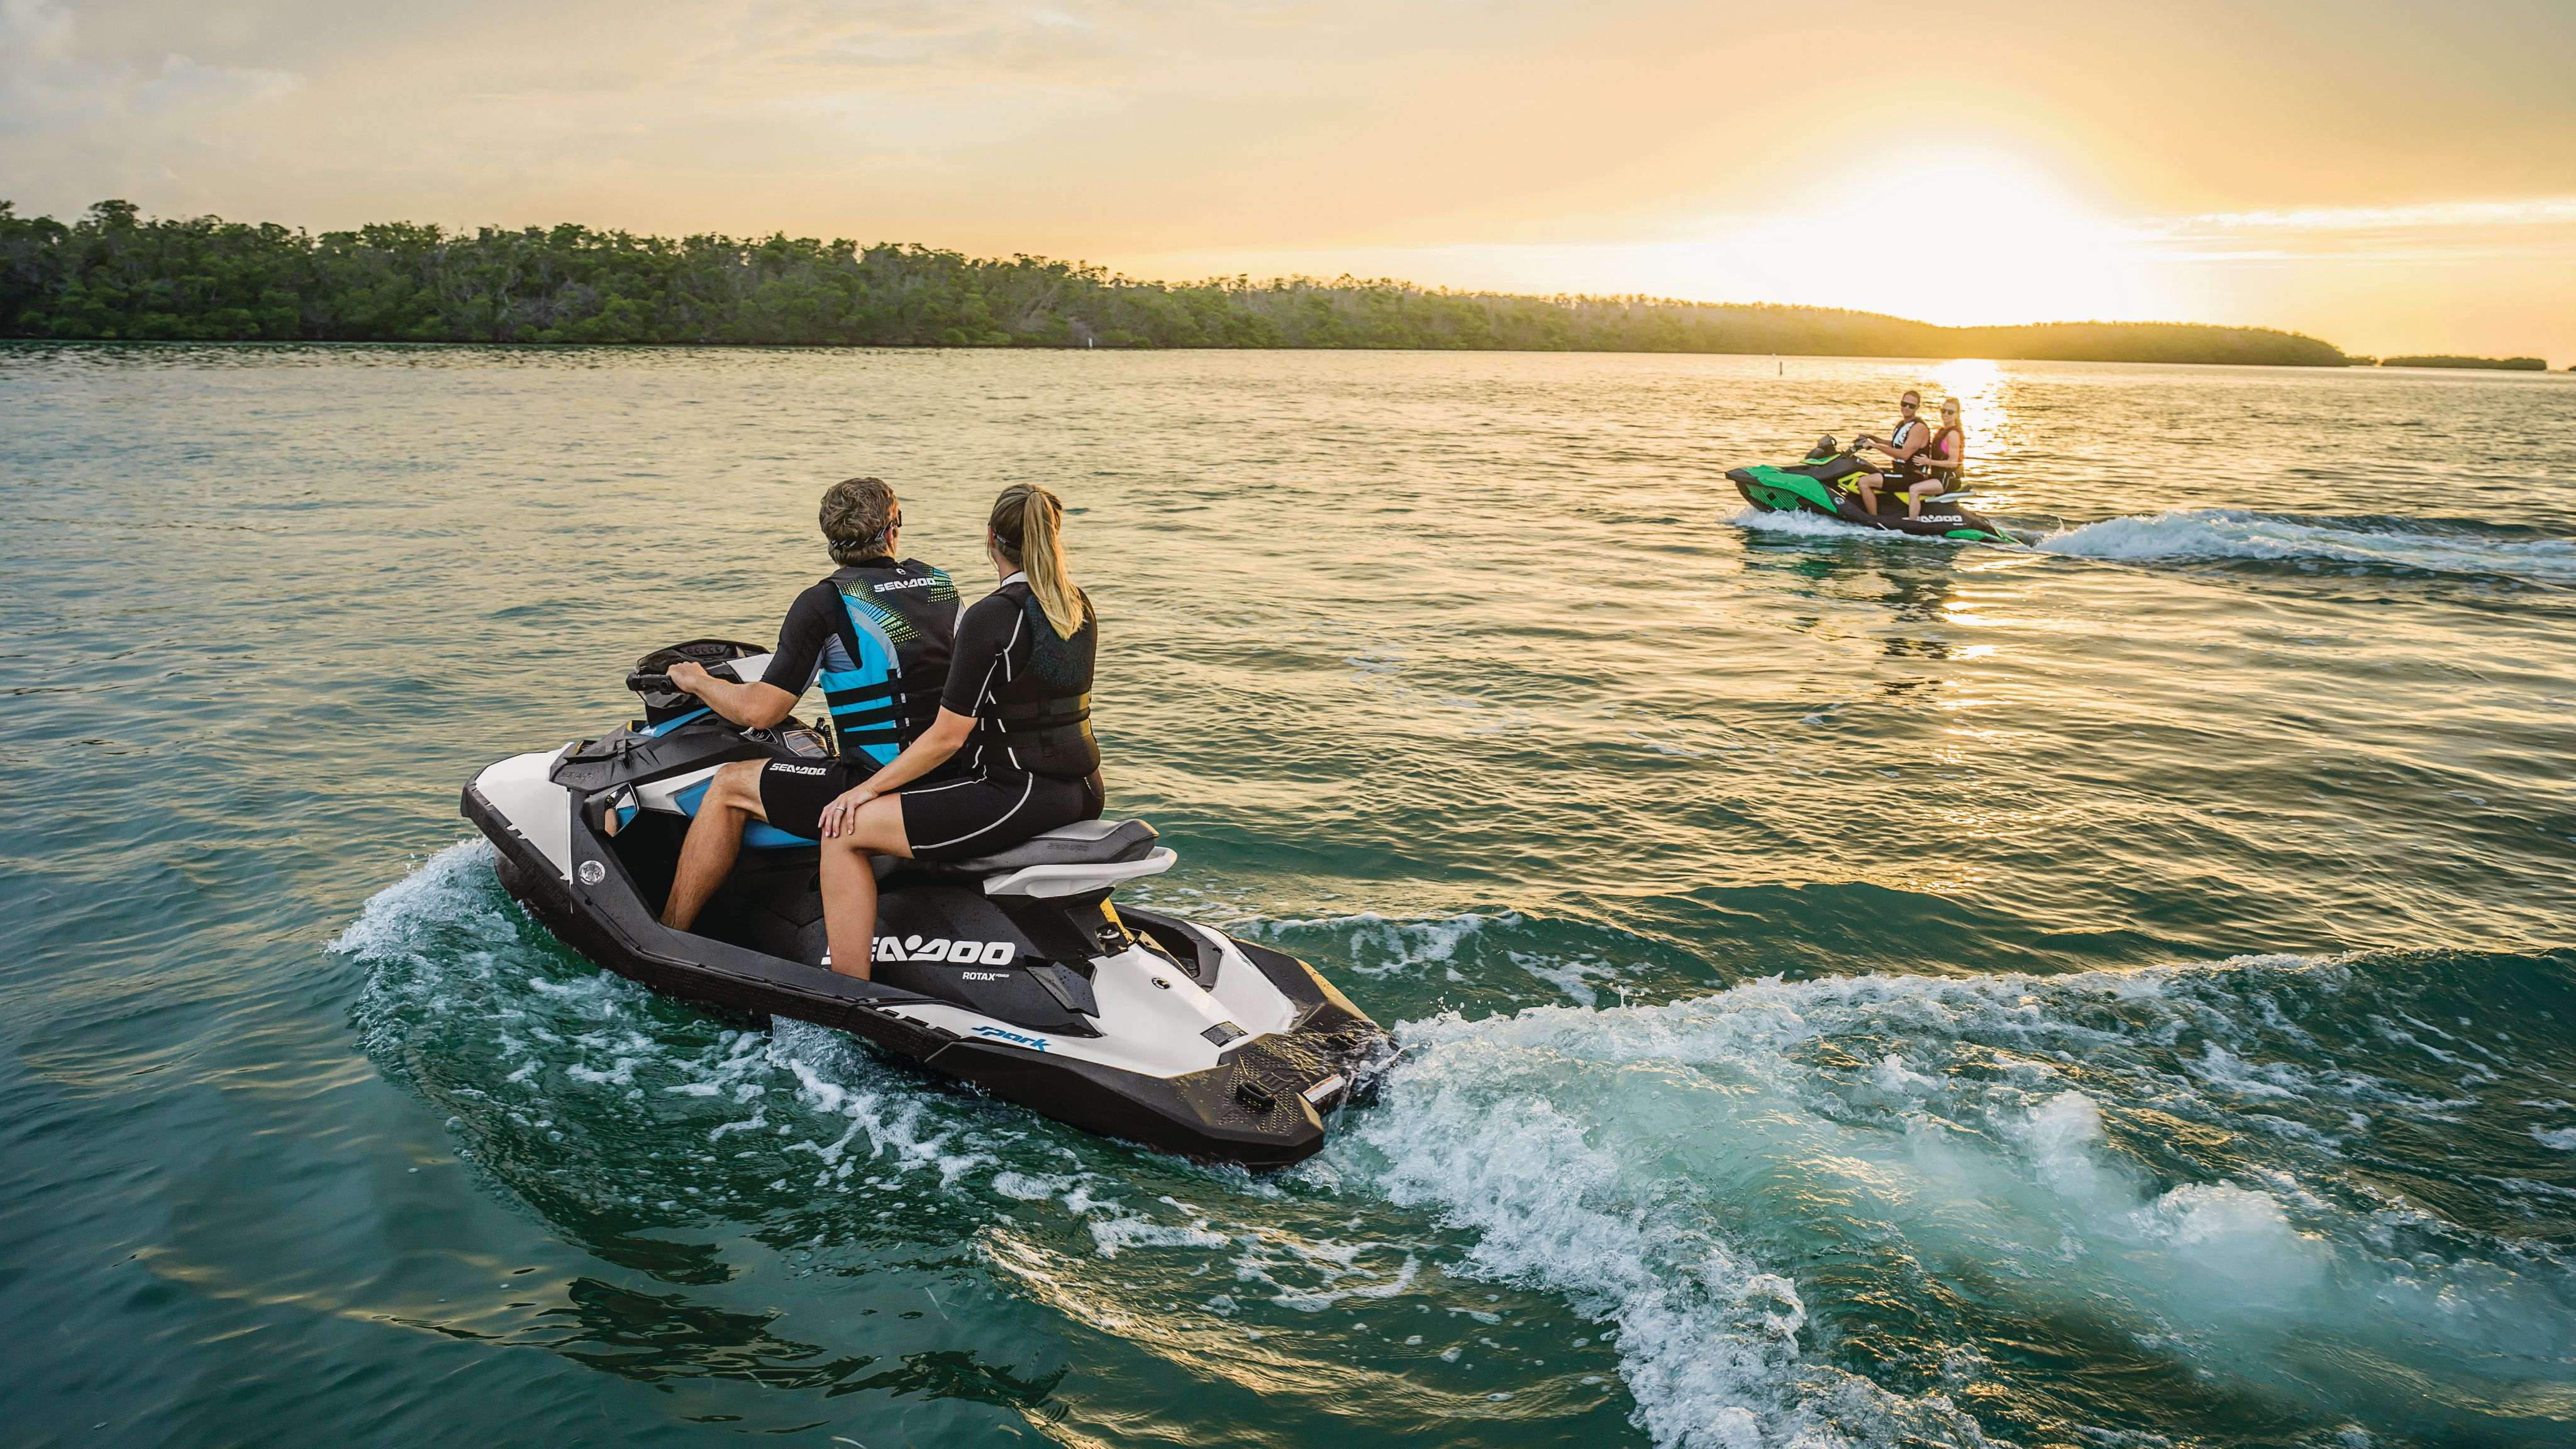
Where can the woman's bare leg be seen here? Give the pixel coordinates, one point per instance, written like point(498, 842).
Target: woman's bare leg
point(1915, 495)
point(850, 882)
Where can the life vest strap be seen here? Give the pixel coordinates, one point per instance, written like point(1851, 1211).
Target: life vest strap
point(867, 709)
point(859, 684)
point(1043, 715)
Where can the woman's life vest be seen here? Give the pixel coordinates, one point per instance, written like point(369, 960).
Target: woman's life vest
point(1038, 719)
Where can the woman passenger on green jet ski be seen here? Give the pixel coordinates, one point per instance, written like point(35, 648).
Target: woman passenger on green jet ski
point(1941, 461)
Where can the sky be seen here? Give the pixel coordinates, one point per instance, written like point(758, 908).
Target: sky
point(2391, 177)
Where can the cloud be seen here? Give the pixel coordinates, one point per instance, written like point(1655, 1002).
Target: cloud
point(2531, 211)
point(35, 31)
point(47, 84)
point(184, 84)
point(2443, 231)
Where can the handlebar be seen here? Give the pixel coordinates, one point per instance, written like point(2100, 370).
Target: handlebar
point(659, 681)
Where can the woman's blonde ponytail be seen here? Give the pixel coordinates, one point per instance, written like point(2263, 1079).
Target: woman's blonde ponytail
point(1029, 521)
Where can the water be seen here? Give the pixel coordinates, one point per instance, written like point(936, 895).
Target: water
point(1857, 990)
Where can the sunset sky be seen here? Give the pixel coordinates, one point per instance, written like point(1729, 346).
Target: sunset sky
point(2392, 177)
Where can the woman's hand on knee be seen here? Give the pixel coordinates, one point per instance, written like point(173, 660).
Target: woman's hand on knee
point(842, 815)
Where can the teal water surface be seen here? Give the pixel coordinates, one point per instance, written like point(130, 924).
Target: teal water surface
point(1855, 990)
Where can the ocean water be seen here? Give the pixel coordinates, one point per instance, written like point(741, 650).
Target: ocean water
point(1855, 990)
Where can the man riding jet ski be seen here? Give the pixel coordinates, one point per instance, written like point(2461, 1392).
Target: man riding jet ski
point(1011, 970)
point(1828, 480)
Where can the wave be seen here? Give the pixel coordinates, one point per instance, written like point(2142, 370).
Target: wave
point(2368, 544)
point(2217, 535)
point(1855, 1211)
point(1799, 523)
point(2166, 1155)
point(556, 1070)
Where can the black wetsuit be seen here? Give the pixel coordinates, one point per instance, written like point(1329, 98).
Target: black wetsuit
point(1032, 762)
point(878, 634)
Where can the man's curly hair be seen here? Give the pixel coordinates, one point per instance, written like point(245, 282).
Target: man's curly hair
point(855, 515)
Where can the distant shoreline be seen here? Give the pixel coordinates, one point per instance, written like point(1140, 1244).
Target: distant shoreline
point(8, 342)
point(2490, 364)
point(116, 276)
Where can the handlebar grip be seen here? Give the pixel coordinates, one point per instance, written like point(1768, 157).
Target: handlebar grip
point(654, 683)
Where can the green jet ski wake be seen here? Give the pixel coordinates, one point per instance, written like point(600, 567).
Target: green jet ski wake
point(1826, 483)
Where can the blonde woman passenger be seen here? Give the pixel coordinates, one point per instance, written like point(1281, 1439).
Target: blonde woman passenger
point(1018, 707)
point(1940, 460)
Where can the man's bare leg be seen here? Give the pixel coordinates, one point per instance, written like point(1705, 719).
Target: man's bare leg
point(850, 883)
point(714, 841)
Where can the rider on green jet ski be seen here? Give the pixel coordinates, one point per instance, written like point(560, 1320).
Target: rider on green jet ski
point(1904, 446)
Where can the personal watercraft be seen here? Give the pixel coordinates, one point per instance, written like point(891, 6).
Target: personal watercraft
point(1013, 971)
point(1824, 483)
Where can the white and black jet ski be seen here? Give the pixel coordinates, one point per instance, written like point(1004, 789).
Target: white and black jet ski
point(1013, 971)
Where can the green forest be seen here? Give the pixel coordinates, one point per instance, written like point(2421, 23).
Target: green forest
point(2500, 364)
point(117, 275)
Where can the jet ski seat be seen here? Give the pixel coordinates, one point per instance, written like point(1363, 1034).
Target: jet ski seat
point(1085, 842)
point(1087, 855)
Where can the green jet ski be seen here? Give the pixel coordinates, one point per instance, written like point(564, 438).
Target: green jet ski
point(1826, 483)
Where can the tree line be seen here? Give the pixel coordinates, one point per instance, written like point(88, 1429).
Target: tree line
point(2500, 364)
point(117, 275)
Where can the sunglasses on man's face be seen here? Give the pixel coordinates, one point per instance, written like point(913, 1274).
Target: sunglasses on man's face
point(1909, 406)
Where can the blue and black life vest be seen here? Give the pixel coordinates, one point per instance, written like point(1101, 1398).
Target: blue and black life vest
point(898, 627)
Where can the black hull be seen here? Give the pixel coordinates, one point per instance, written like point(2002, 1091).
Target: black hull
point(1939, 520)
point(1247, 1110)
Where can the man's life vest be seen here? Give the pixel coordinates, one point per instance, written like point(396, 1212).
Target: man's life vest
point(898, 627)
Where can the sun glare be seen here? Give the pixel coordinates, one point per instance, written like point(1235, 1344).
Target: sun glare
point(1954, 237)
